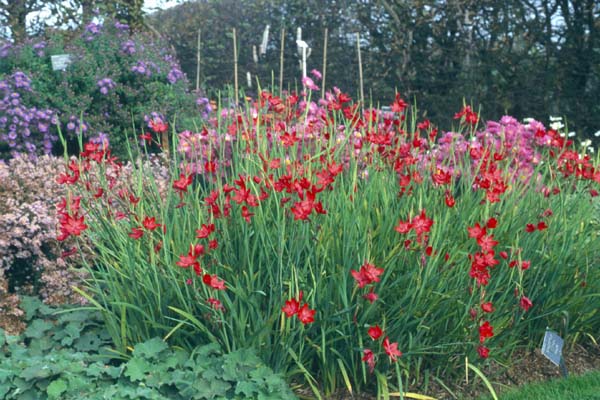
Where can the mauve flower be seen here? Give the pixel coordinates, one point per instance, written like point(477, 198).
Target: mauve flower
point(308, 83)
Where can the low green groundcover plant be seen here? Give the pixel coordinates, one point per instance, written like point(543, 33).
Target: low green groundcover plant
point(350, 247)
point(584, 387)
point(64, 354)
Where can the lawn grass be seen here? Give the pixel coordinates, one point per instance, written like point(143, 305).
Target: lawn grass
point(583, 387)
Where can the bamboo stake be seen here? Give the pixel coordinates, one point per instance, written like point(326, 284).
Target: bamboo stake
point(360, 71)
point(235, 69)
point(281, 61)
point(198, 62)
point(324, 65)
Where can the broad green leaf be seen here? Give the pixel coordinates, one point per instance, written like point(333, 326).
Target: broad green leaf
point(56, 388)
point(150, 348)
point(37, 328)
point(137, 368)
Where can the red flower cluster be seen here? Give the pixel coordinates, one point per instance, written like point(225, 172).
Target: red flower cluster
point(421, 224)
point(470, 116)
point(367, 274)
point(294, 307)
point(391, 349)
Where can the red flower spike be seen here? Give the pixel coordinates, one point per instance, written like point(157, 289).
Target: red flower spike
point(391, 349)
point(375, 332)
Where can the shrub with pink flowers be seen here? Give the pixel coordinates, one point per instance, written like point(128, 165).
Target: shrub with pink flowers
point(31, 260)
point(351, 247)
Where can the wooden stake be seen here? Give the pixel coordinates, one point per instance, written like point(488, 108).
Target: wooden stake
point(198, 62)
point(235, 69)
point(360, 71)
point(324, 65)
point(281, 61)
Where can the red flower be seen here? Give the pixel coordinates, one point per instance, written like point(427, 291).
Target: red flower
point(150, 223)
point(449, 199)
point(246, 214)
point(403, 227)
point(471, 117)
point(369, 358)
point(399, 104)
point(213, 244)
point(288, 140)
point(421, 224)
point(504, 254)
point(485, 331)
point(136, 233)
point(525, 303)
point(476, 231)
point(541, 226)
point(306, 315)
point(486, 242)
point(205, 231)
point(487, 307)
point(492, 223)
point(483, 351)
point(375, 332)
point(291, 307)
point(371, 297)
point(367, 274)
point(530, 228)
point(182, 183)
point(215, 303)
point(191, 259)
point(146, 137)
point(158, 126)
point(441, 177)
point(525, 265)
point(71, 225)
point(213, 281)
point(391, 349)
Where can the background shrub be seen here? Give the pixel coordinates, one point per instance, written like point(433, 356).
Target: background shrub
point(113, 81)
